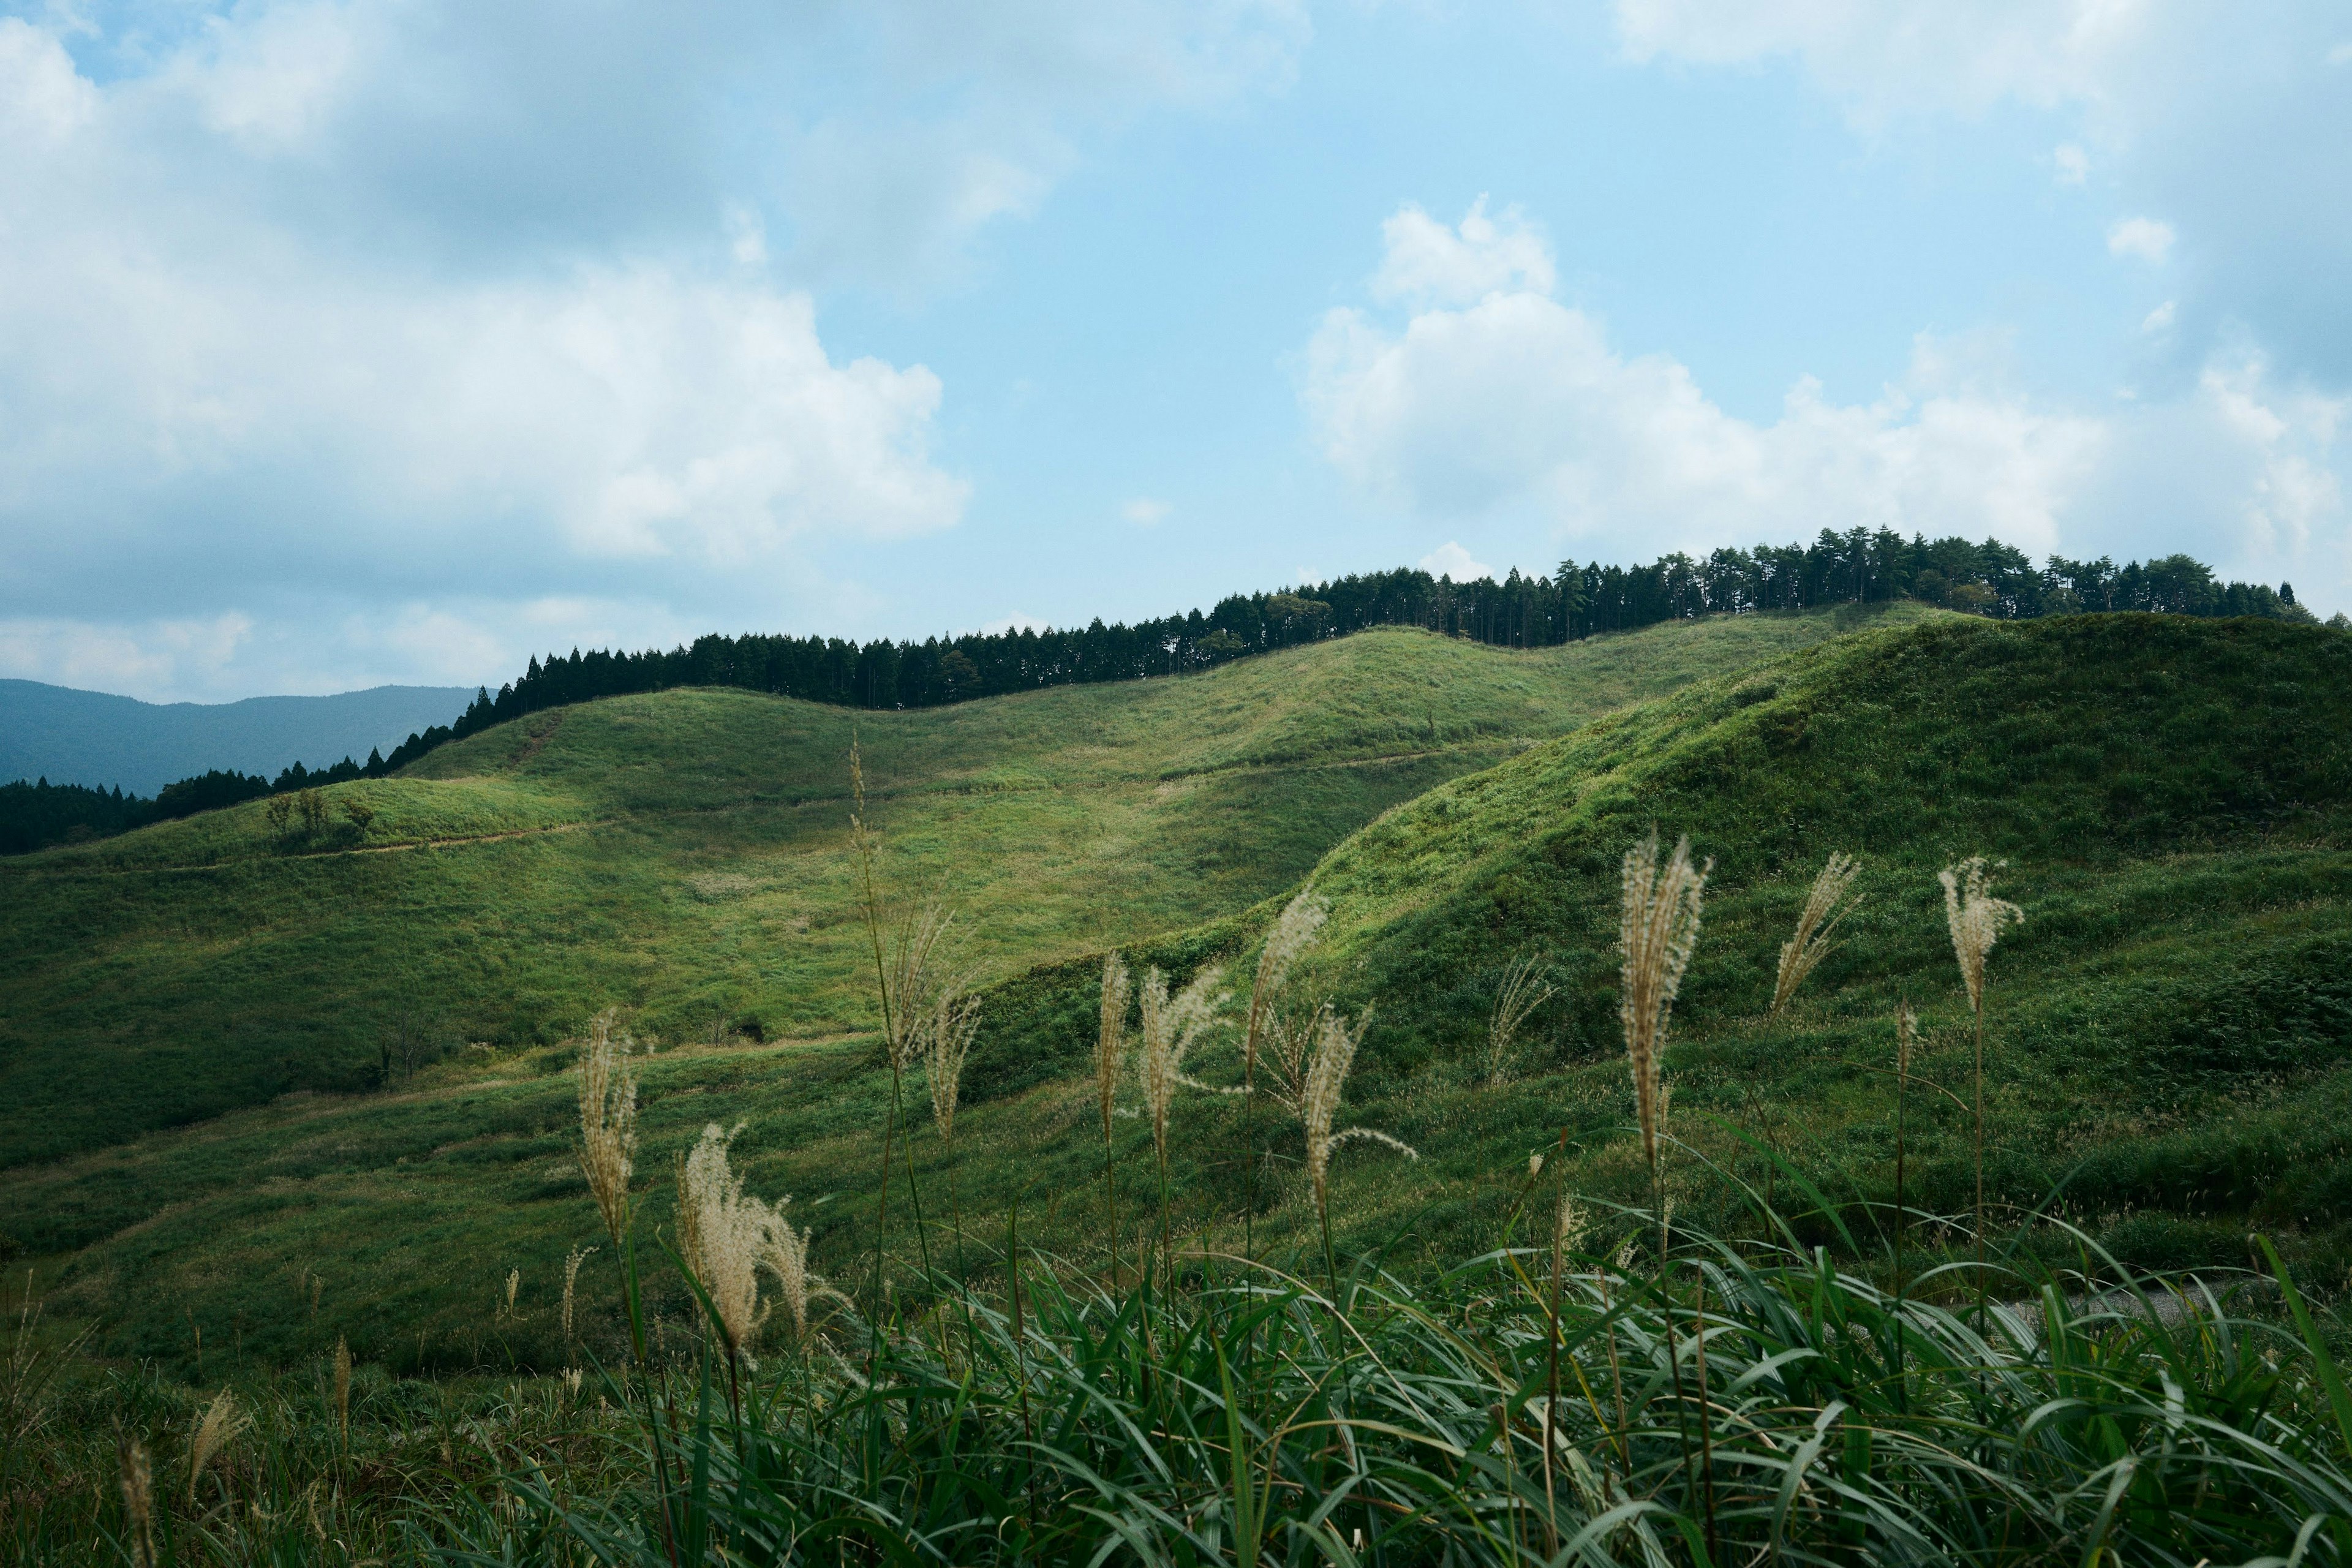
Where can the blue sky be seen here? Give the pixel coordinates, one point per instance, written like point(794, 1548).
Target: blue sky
point(396, 340)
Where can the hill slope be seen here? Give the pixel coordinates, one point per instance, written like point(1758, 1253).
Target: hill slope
point(2172, 1026)
point(684, 854)
point(104, 741)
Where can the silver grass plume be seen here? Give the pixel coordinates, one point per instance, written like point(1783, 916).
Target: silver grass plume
point(1327, 1080)
point(1523, 992)
point(218, 1428)
point(917, 980)
point(787, 1258)
point(1659, 931)
point(138, 1498)
point(1906, 1039)
point(1110, 1042)
point(608, 1120)
point(1172, 1026)
point(572, 1262)
point(343, 1389)
point(1976, 919)
point(1825, 905)
point(724, 1234)
point(946, 1041)
point(1294, 930)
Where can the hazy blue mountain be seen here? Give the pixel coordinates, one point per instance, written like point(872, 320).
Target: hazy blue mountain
point(92, 738)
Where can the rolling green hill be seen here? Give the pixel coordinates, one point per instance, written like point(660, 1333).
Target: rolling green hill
point(2171, 1034)
point(683, 855)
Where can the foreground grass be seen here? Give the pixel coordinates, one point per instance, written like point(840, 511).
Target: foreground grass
point(1576, 1398)
point(684, 854)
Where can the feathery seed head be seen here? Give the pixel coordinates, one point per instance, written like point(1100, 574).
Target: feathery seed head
point(138, 1498)
point(1906, 1037)
point(608, 1120)
point(572, 1263)
point(1522, 992)
point(1658, 933)
point(1293, 929)
point(343, 1388)
point(1326, 1081)
point(221, 1424)
point(955, 1018)
point(1567, 1225)
point(724, 1235)
point(1976, 919)
point(917, 979)
point(1110, 1043)
point(1535, 1166)
point(1172, 1026)
point(1825, 905)
point(514, 1283)
point(787, 1259)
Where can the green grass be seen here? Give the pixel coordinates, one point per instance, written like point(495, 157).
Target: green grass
point(683, 855)
point(2170, 1027)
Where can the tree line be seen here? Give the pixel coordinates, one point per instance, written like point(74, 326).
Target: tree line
point(1577, 600)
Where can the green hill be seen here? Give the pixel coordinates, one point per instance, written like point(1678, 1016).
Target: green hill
point(683, 855)
point(2170, 1027)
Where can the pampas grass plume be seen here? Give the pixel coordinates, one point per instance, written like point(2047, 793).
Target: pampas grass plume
point(572, 1263)
point(343, 1389)
point(608, 1120)
point(1172, 1026)
point(955, 1018)
point(1110, 1041)
point(221, 1424)
point(1294, 930)
point(1327, 1080)
point(1522, 992)
point(1825, 905)
point(1976, 919)
point(1658, 933)
point(138, 1498)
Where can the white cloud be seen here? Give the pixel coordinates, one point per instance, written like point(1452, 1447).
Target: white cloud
point(2072, 165)
point(2160, 320)
point(1145, 512)
point(1426, 262)
point(1518, 408)
point(2341, 55)
point(1889, 57)
point(1450, 559)
point(343, 315)
point(155, 659)
point(2150, 239)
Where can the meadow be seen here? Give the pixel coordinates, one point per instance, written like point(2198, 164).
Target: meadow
point(2165, 1070)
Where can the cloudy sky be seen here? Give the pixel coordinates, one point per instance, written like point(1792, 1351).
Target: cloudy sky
point(345, 342)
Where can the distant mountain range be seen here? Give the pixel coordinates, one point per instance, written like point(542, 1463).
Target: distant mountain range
point(94, 739)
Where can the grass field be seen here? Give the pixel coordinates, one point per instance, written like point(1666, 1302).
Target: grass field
point(683, 855)
point(2170, 1027)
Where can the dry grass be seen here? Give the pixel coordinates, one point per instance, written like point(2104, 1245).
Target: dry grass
point(222, 1421)
point(1523, 991)
point(954, 1018)
point(1976, 919)
point(1658, 934)
point(608, 1121)
point(1326, 1083)
point(1293, 932)
point(1825, 905)
point(724, 1234)
point(1172, 1026)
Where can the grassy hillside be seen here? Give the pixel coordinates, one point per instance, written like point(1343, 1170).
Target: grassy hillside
point(683, 855)
point(2171, 1028)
